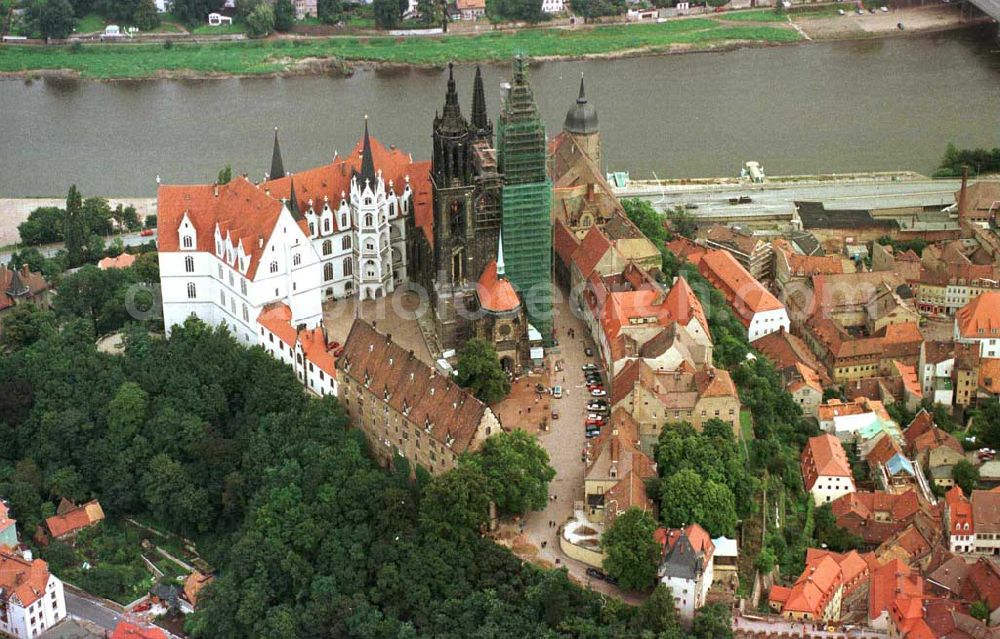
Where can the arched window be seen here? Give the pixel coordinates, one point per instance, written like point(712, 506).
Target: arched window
point(189, 264)
point(343, 221)
point(326, 225)
point(192, 293)
point(369, 245)
point(327, 272)
point(370, 269)
point(243, 287)
point(348, 266)
point(312, 229)
point(327, 247)
point(346, 242)
point(188, 241)
point(369, 220)
point(296, 259)
point(274, 267)
point(349, 286)
point(222, 298)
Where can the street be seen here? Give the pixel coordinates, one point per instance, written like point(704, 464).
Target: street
point(90, 609)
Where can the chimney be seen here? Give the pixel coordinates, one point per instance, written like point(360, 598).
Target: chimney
point(962, 191)
point(215, 189)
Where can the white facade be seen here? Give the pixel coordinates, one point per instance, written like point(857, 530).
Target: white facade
point(312, 376)
point(361, 242)
point(25, 621)
point(217, 287)
point(553, 6)
point(829, 487)
point(935, 379)
point(689, 594)
point(767, 322)
point(989, 347)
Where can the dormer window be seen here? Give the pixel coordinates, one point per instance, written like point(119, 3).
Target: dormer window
point(428, 424)
point(187, 241)
point(385, 394)
point(368, 378)
point(406, 408)
point(274, 267)
point(312, 228)
point(449, 441)
point(218, 247)
point(343, 221)
point(296, 259)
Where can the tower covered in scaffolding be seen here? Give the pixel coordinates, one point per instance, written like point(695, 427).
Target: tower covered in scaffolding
point(527, 193)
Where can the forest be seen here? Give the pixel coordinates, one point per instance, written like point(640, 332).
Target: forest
point(310, 538)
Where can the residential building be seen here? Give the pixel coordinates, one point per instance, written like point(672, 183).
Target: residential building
point(978, 322)
point(912, 546)
point(125, 260)
point(471, 9)
point(8, 527)
point(654, 398)
point(862, 303)
point(754, 253)
point(404, 407)
point(986, 521)
point(21, 286)
point(305, 9)
point(129, 630)
point(978, 203)
point(306, 350)
point(966, 373)
point(804, 385)
point(847, 420)
point(31, 598)
point(759, 311)
point(826, 470)
point(793, 269)
point(553, 6)
point(989, 474)
point(687, 567)
point(193, 585)
point(725, 563)
point(893, 589)
point(982, 583)
point(941, 463)
point(959, 522)
point(876, 516)
point(70, 519)
point(617, 471)
point(934, 368)
point(819, 591)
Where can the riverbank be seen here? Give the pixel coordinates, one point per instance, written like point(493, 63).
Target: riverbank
point(341, 55)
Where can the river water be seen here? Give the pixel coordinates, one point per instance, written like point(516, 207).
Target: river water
point(830, 107)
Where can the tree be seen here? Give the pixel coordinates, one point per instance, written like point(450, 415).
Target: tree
point(713, 621)
point(630, 551)
point(980, 611)
point(430, 11)
point(44, 225)
point(479, 370)
point(260, 22)
point(145, 16)
point(388, 13)
point(51, 18)
point(284, 15)
point(76, 231)
point(455, 505)
point(681, 222)
point(329, 11)
point(504, 10)
point(596, 8)
point(833, 536)
point(966, 476)
point(687, 498)
point(647, 219)
point(986, 423)
point(25, 325)
point(516, 469)
point(717, 509)
point(658, 614)
point(194, 12)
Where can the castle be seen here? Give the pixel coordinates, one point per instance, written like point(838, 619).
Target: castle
point(471, 226)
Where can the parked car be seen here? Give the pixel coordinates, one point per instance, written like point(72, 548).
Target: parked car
point(557, 391)
point(592, 434)
point(146, 233)
point(596, 408)
point(555, 413)
point(598, 392)
point(595, 422)
point(596, 416)
point(589, 367)
point(596, 574)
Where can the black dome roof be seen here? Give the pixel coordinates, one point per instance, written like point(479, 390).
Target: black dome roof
point(582, 116)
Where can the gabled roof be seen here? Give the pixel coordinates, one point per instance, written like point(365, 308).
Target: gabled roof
point(687, 552)
point(194, 584)
point(889, 582)
point(413, 388)
point(124, 260)
point(824, 456)
point(746, 295)
point(959, 512)
point(986, 511)
point(683, 305)
point(19, 283)
point(75, 519)
point(127, 630)
point(591, 250)
point(785, 350)
point(564, 242)
point(24, 580)
point(980, 318)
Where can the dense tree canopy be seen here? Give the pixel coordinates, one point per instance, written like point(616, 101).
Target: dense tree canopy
point(479, 370)
point(50, 18)
point(631, 553)
point(979, 161)
point(516, 469)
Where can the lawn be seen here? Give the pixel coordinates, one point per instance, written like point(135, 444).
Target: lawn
point(761, 15)
point(90, 23)
point(222, 29)
point(168, 26)
point(746, 425)
point(268, 56)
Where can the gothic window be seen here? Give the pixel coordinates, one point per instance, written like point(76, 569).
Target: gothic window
point(189, 264)
point(392, 208)
point(370, 269)
point(243, 287)
point(456, 218)
point(348, 267)
point(343, 221)
point(346, 242)
point(457, 266)
point(312, 229)
point(188, 241)
point(326, 225)
point(218, 247)
point(327, 272)
point(369, 245)
point(349, 286)
point(296, 259)
point(327, 247)
point(274, 267)
point(192, 293)
point(369, 220)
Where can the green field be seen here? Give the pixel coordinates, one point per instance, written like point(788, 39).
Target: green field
point(269, 56)
point(90, 23)
point(759, 15)
point(222, 29)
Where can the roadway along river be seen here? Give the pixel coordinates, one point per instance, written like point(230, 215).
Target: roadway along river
point(851, 106)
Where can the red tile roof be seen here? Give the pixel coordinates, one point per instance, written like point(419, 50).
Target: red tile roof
point(496, 294)
point(824, 455)
point(894, 584)
point(746, 295)
point(786, 350)
point(876, 517)
point(75, 520)
point(276, 317)
point(593, 247)
point(959, 512)
point(126, 630)
point(124, 260)
point(25, 580)
point(980, 318)
point(686, 249)
point(33, 282)
point(564, 242)
point(683, 305)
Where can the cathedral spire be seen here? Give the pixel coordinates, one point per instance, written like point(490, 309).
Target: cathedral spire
point(451, 107)
point(277, 166)
point(583, 96)
point(480, 120)
point(501, 268)
point(367, 164)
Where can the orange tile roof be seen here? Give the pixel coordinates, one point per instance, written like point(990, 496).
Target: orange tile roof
point(34, 282)
point(893, 583)
point(903, 333)
point(496, 294)
point(959, 510)
point(989, 374)
point(194, 584)
point(785, 350)
point(683, 305)
point(276, 317)
point(824, 456)
point(686, 249)
point(744, 293)
point(126, 630)
point(593, 247)
point(885, 448)
point(909, 376)
point(981, 314)
point(714, 382)
point(564, 242)
point(75, 519)
point(807, 265)
point(25, 580)
point(124, 260)
point(815, 587)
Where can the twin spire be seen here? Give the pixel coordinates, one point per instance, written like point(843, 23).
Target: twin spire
point(480, 121)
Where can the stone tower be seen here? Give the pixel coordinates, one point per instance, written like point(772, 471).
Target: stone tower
point(581, 123)
point(527, 194)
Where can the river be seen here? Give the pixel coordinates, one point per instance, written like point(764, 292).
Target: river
point(829, 107)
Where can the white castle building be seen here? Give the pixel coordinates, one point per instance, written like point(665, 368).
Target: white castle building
point(233, 253)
